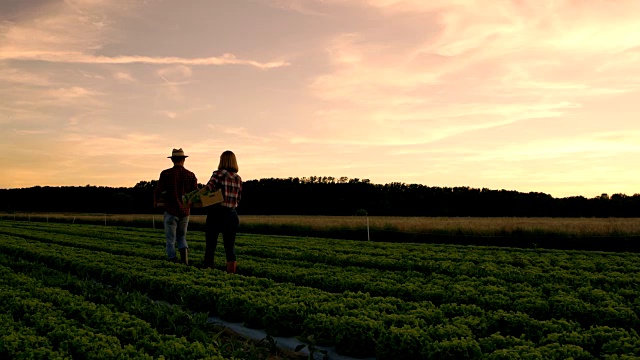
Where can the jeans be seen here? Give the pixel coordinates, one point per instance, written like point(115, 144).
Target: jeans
point(175, 229)
point(221, 219)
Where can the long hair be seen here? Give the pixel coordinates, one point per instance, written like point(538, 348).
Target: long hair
point(228, 161)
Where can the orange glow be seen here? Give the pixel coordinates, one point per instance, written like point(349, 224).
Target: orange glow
point(522, 95)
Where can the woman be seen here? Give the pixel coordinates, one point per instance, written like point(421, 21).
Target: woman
point(223, 218)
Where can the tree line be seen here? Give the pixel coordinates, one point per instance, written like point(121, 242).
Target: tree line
point(331, 196)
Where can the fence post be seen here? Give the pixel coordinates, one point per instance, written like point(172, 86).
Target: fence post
point(154, 222)
point(29, 217)
point(105, 219)
point(74, 220)
point(368, 237)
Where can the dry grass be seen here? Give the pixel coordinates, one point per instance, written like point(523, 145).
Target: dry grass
point(467, 225)
point(416, 225)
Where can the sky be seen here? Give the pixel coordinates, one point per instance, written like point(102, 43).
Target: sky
point(525, 95)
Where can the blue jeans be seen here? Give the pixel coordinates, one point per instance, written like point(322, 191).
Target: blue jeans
point(175, 229)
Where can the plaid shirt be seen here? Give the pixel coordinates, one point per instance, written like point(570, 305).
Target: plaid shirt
point(176, 181)
point(231, 185)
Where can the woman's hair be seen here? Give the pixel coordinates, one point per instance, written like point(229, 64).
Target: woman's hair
point(228, 161)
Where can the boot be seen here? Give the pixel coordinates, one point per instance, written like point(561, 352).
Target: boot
point(173, 259)
point(231, 267)
point(184, 256)
point(207, 264)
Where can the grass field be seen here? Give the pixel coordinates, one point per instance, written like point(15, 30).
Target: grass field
point(472, 226)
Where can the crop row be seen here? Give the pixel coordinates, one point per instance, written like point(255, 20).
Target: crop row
point(45, 321)
point(164, 317)
point(428, 259)
point(585, 304)
point(354, 322)
point(389, 256)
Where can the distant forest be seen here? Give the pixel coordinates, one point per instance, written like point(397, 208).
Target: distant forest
point(330, 196)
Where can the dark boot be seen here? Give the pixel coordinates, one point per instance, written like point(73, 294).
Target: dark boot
point(207, 264)
point(208, 259)
point(231, 267)
point(173, 259)
point(184, 256)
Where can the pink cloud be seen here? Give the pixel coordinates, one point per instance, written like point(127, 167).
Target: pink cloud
point(74, 31)
point(498, 62)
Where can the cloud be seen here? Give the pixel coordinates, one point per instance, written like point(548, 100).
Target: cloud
point(485, 93)
point(60, 30)
point(134, 144)
point(81, 58)
point(176, 71)
point(395, 119)
point(172, 78)
point(124, 76)
point(622, 60)
point(239, 133)
point(183, 113)
point(16, 76)
point(60, 97)
point(31, 132)
point(477, 65)
point(300, 6)
point(74, 32)
point(12, 114)
point(90, 75)
point(169, 114)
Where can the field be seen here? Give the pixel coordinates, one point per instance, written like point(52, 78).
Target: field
point(603, 227)
point(69, 289)
point(602, 234)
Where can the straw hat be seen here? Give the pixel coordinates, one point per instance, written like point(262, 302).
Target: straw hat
point(177, 153)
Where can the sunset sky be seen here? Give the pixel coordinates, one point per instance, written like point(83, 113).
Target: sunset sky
point(526, 95)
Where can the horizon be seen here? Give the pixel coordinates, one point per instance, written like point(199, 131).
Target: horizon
point(336, 182)
point(526, 96)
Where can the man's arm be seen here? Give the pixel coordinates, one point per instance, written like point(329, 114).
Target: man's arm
point(195, 183)
point(159, 189)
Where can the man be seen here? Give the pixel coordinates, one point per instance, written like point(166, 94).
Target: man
point(174, 183)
